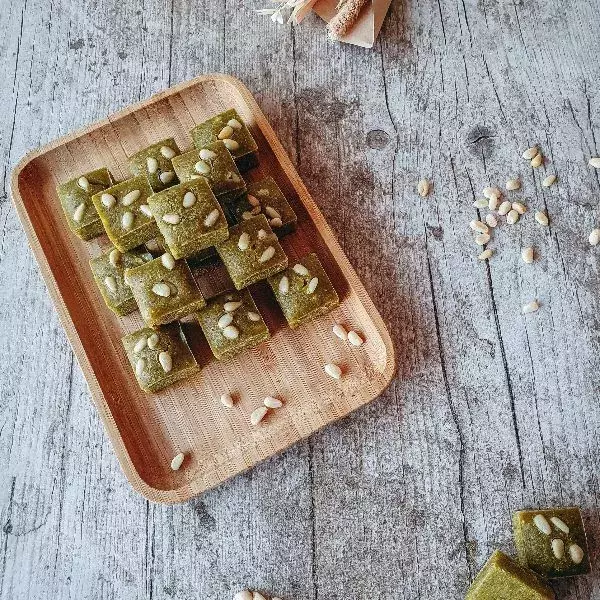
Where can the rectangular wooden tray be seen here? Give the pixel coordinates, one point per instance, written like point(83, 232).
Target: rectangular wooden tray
point(147, 430)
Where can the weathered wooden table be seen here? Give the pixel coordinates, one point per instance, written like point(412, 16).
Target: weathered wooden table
point(490, 411)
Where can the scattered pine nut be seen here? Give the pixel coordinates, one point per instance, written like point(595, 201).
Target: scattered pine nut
point(513, 184)
point(548, 181)
point(527, 255)
point(478, 226)
point(537, 160)
point(355, 339)
point(504, 208)
point(177, 461)
point(493, 202)
point(531, 307)
point(486, 254)
point(491, 220)
point(576, 553)
point(481, 203)
point(243, 595)
point(512, 217)
point(490, 191)
point(227, 400)
point(482, 239)
point(258, 414)
point(530, 153)
point(340, 332)
point(423, 188)
point(595, 162)
point(519, 207)
point(594, 237)
point(271, 402)
point(541, 217)
point(333, 371)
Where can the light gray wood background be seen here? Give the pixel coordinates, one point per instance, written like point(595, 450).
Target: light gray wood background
point(491, 411)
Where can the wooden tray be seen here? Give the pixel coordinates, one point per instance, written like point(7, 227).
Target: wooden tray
point(147, 430)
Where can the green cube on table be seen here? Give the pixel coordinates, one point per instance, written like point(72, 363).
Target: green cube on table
point(164, 290)
point(159, 357)
point(229, 127)
point(502, 578)
point(124, 211)
point(552, 542)
point(189, 217)
point(76, 200)
point(155, 163)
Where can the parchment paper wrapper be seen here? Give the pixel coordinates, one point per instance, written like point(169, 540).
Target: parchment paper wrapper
point(366, 29)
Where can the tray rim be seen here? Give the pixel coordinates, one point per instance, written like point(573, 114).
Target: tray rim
point(185, 492)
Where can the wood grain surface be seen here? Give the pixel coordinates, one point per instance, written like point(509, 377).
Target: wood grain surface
point(490, 411)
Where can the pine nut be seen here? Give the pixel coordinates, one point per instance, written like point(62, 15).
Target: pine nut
point(537, 160)
point(166, 362)
point(161, 289)
point(151, 164)
point(189, 199)
point(140, 345)
point(177, 461)
point(268, 254)
point(300, 270)
point(206, 154)
point(252, 316)
point(153, 341)
point(576, 553)
point(111, 283)
point(527, 255)
point(560, 524)
point(491, 220)
point(481, 203)
point(202, 167)
point(333, 371)
point(423, 188)
point(595, 162)
point(531, 307)
point(225, 320)
point(558, 548)
point(145, 209)
point(340, 332)
point(519, 207)
point(227, 400)
point(258, 414)
point(355, 339)
point(108, 200)
point(489, 191)
point(78, 214)
point(541, 217)
point(548, 181)
point(167, 177)
point(231, 306)
point(225, 133)
point(127, 220)
point(312, 285)
point(84, 184)
point(512, 217)
point(513, 184)
point(487, 253)
point(243, 595)
point(234, 124)
point(530, 153)
point(168, 262)
point(594, 237)
point(244, 241)
point(542, 524)
point(167, 152)
point(271, 402)
point(504, 208)
point(262, 234)
point(231, 144)
point(253, 200)
point(493, 202)
point(140, 367)
point(482, 238)
point(478, 226)
point(272, 213)
point(284, 285)
point(129, 198)
point(114, 257)
point(276, 222)
point(171, 219)
point(212, 217)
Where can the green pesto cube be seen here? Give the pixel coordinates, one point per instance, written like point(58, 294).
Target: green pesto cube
point(304, 291)
point(159, 357)
point(189, 217)
point(154, 163)
point(265, 197)
point(231, 323)
point(76, 200)
point(108, 270)
point(165, 290)
point(552, 542)
point(125, 213)
point(214, 163)
point(252, 252)
point(228, 127)
point(504, 579)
